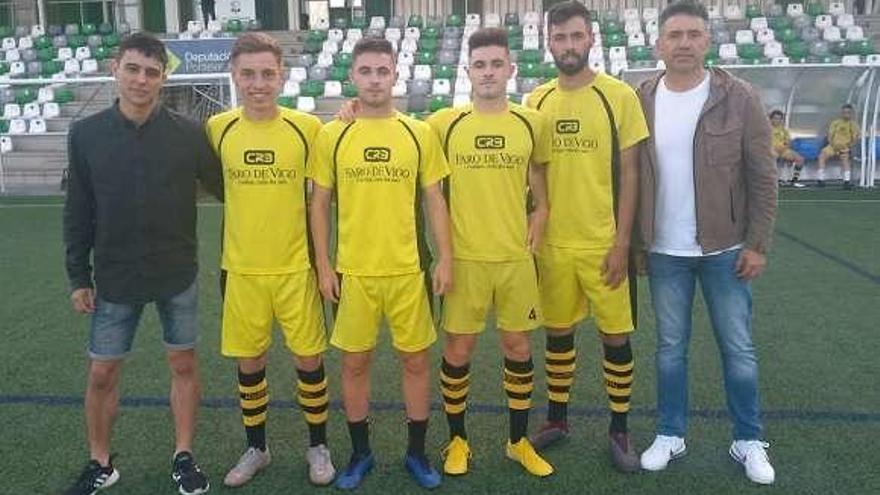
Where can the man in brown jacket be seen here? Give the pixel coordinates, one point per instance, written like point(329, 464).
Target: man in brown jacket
point(707, 205)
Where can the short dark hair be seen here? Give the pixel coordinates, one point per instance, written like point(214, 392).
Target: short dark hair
point(563, 11)
point(847, 106)
point(145, 43)
point(684, 7)
point(372, 44)
point(774, 113)
point(488, 37)
point(255, 42)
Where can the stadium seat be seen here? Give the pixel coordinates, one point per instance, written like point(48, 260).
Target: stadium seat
point(305, 104)
point(631, 27)
point(454, 20)
point(302, 60)
point(17, 69)
point(194, 27)
point(631, 14)
point(393, 34)
point(419, 86)
point(854, 33)
point(429, 45)
point(462, 85)
point(45, 94)
point(532, 17)
point(89, 28)
point(337, 73)
point(412, 33)
point(399, 88)
point(37, 126)
point(349, 90)
point(492, 20)
point(354, 34)
point(17, 126)
point(650, 14)
point(836, 8)
point(795, 10)
point(796, 50)
point(37, 30)
point(472, 20)
point(824, 21)
point(450, 44)
point(335, 35)
point(359, 22)
point(843, 21)
point(5, 144)
point(71, 67)
point(291, 88)
point(422, 72)
point(311, 88)
point(765, 36)
point(111, 40)
point(11, 111)
point(773, 49)
point(441, 87)
point(785, 35)
point(8, 43)
point(444, 71)
point(324, 59)
point(728, 51)
point(95, 40)
point(744, 37)
point(415, 21)
point(347, 46)
point(528, 69)
point(342, 60)
point(28, 54)
point(618, 66)
point(30, 110)
point(750, 52)
point(640, 54)
point(873, 59)
point(531, 42)
point(63, 95)
point(214, 26)
point(430, 32)
point(511, 19)
point(439, 102)
point(298, 74)
point(820, 49)
point(396, 22)
point(782, 60)
point(753, 10)
point(54, 30)
point(732, 12)
point(425, 58)
point(758, 23)
point(377, 22)
point(330, 47)
point(25, 43)
point(417, 104)
point(777, 23)
point(815, 8)
point(447, 57)
point(406, 58)
point(33, 69)
point(318, 74)
point(862, 47)
point(831, 34)
point(636, 39)
point(13, 55)
point(83, 53)
point(850, 60)
point(404, 72)
point(332, 89)
point(810, 33)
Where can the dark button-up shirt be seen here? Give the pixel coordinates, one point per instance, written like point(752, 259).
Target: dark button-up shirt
point(132, 199)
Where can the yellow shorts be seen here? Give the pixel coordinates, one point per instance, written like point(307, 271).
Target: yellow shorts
point(573, 288)
point(251, 304)
point(402, 300)
point(511, 286)
point(836, 151)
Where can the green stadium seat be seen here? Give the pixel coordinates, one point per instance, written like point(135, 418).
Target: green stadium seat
point(426, 58)
point(42, 42)
point(234, 26)
point(861, 47)
point(514, 30)
point(840, 48)
point(339, 23)
point(4, 68)
point(342, 60)
point(434, 21)
point(88, 29)
point(750, 52)
point(611, 26)
point(63, 95)
point(615, 39)
point(51, 67)
point(430, 32)
point(312, 88)
point(511, 19)
point(349, 90)
point(6, 31)
point(528, 69)
point(4, 126)
point(549, 70)
point(415, 21)
point(454, 20)
point(444, 71)
point(338, 73)
point(287, 101)
point(25, 95)
point(102, 53)
point(44, 54)
point(640, 53)
point(76, 40)
point(439, 102)
point(316, 35)
point(360, 22)
point(105, 28)
point(530, 56)
point(777, 23)
point(515, 42)
point(795, 50)
point(711, 60)
point(753, 10)
point(111, 40)
point(785, 35)
point(814, 9)
point(429, 45)
point(313, 46)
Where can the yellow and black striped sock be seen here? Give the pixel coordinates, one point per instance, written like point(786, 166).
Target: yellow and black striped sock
point(311, 393)
point(253, 392)
point(455, 382)
point(560, 365)
point(618, 373)
point(518, 384)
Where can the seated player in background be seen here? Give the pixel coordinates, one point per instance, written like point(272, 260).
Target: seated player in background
point(782, 148)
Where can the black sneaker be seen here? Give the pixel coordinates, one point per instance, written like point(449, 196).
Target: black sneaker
point(94, 477)
point(820, 183)
point(847, 185)
point(187, 475)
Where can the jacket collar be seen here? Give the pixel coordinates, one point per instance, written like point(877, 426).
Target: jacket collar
point(719, 85)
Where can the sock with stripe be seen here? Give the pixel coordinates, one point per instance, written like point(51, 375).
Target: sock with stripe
point(313, 400)
point(454, 385)
point(618, 373)
point(253, 392)
point(518, 385)
point(560, 365)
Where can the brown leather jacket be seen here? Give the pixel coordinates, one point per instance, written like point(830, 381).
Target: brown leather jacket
point(734, 171)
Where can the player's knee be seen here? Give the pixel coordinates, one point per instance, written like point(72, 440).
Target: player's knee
point(308, 363)
point(614, 340)
point(459, 349)
point(354, 367)
point(516, 345)
point(102, 375)
point(182, 364)
point(415, 363)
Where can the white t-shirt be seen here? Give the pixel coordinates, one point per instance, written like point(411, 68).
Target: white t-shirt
point(675, 214)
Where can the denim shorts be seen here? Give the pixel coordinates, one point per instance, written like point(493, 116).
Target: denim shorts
point(114, 325)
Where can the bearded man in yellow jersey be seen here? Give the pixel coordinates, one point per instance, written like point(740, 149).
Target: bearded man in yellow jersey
point(381, 167)
point(592, 181)
point(264, 150)
point(843, 134)
point(496, 151)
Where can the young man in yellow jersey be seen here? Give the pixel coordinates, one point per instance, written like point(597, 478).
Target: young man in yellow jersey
point(496, 151)
point(592, 181)
point(843, 134)
point(381, 167)
point(782, 147)
point(264, 149)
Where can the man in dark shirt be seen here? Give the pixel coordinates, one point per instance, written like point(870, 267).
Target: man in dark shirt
point(208, 11)
point(132, 200)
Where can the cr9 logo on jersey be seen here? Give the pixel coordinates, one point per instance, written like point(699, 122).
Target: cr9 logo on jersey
point(377, 154)
point(259, 157)
point(489, 142)
point(568, 126)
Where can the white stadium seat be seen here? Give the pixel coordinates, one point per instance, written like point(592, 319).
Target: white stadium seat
point(25, 42)
point(17, 68)
point(65, 53)
point(631, 15)
point(347, 46)
point(82, 53)
point(773, 49)
point(850, 60)
point(377, 22)
point(758, 23)
point(37, 31)
point(45, 94)
point(824, 21)
point(336, 35)
point(5, 144)
point(836, 8)
point(831, 34)
point(30, 110)
point(727, 51)
point(331, 47)
point(532, 17)
point(399, 89)
point(732, 12)
point(393, 34)
point(462, 85)
point(324, 59)
point(194, 27)
point(298, 74)
point(472, 20)
point(11, 111)
point(636, 39)
point(332, 89)
point(51, 110)
point(404, 72)
point(634, 26)
point(291, 88)
point(855, 33)
point(779, 61)
point(354, 34)
point(37, 126)
point(8, 44)
point(405, 58)
point(745, 37)
point(13, 55)
point(422, 72)
point(617, 53)
point(492, 20)
point(409, 45)
point(532, 42)
point(795, 9)
point(17, 126)
point(765, 36)
point(650, 14)
point(412, 33)
point(843, 21)
point(71, 67)
point(305, 104)
point(441, 87)
point(215, 26)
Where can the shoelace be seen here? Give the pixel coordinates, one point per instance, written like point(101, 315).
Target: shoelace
point(757, 447)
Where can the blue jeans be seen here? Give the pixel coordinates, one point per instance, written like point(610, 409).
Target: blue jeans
point(114, 325)
point(729, 301)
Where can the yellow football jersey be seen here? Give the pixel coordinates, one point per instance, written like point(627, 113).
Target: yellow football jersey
point(579, 179)
point(489, 157)
point(842, 133)
point(264, 179)
point(781, 138)
point(378, 168)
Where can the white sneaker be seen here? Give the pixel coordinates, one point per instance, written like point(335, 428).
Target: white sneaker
point(753, 455)
point(250, 463)
point(321, 470)
point(663, 450)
